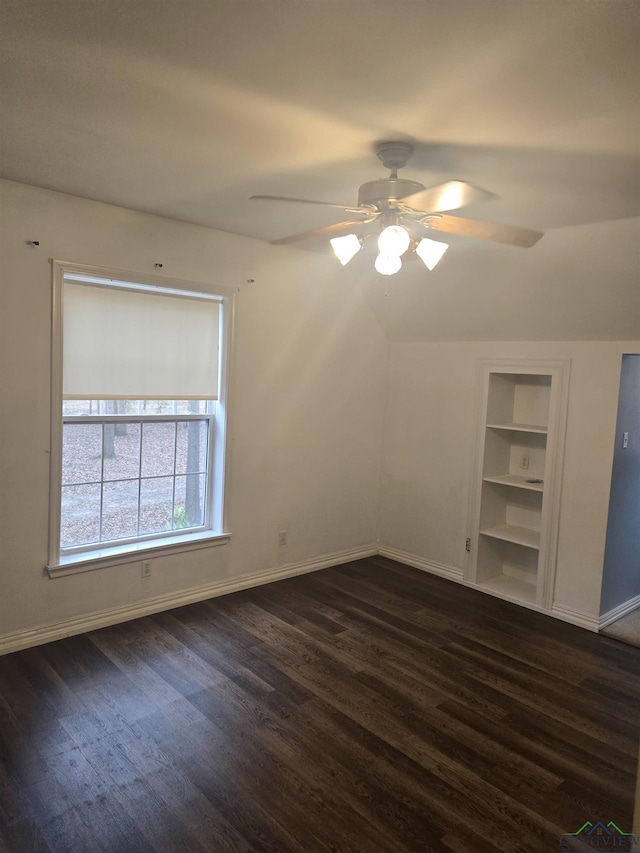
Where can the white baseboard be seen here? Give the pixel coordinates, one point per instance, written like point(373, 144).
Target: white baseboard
point(79, 625)
point(576, 617)
point(566, 614)
point(618, 612)
point(420, 563)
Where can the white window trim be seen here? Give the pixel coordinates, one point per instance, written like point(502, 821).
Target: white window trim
point(217, 533)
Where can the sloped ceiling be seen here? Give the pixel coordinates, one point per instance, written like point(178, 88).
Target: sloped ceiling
point(185, 108)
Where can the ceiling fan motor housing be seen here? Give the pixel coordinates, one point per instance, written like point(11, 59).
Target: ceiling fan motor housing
point(385, 190)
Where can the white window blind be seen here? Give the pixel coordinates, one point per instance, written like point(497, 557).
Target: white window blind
point(121, 344)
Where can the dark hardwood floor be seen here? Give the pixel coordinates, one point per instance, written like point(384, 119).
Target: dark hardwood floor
point(370, 707)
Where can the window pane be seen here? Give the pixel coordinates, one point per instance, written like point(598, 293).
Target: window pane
point(191, 407)
point(81, 453)
point(156, 501)
point(78, 407)
point(157, 407)
point(80, 515)
point(121, 451)
point(129, 480)
point(158, 447)
point(191, 447)
point(188, 509)
point(119, 509)
point(175, 407)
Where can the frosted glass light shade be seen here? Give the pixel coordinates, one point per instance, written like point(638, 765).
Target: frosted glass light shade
point(430, 252)
point(344, 248)
point(393, 240)
point(388, 264)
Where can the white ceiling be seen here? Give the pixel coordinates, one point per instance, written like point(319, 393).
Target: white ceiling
point(185, 108)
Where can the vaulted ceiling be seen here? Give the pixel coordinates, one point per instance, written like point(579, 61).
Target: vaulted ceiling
point(185, 108)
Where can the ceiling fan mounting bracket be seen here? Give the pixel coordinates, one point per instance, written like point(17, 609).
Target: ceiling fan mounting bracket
point(394, 155)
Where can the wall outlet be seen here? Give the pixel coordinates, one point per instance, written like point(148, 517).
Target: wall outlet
point(282, 537)
point(524, 461)
point(146, 569)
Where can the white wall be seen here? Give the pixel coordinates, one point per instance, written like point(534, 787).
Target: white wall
point(307, 404)
point(578, 283)
point(308, 416)
point(429, 443)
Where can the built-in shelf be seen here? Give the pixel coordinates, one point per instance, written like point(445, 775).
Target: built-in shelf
point(515, 427)
point(518, 535)
point(518, 481)
point(512, 588)
point(523, 406)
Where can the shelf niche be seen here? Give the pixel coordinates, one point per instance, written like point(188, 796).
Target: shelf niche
point(523, 413)
point(520, 401)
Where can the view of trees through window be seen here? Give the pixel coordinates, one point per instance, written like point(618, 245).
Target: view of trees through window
point(133, 469)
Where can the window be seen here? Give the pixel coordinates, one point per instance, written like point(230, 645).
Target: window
point(127, 476)
point(138, 426)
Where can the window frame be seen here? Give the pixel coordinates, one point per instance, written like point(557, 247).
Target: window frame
point(215, 530)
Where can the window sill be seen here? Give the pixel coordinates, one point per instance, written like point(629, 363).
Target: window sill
point(103, 558)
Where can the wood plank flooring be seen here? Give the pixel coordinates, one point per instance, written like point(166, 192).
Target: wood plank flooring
point(370, 707)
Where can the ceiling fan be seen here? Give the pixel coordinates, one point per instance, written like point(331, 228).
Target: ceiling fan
point(404, 210)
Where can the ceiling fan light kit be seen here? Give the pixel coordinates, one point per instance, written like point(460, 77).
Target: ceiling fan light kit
point(393, 240)
point(344, 248)
point(430, 252)
point(388, 264)
point(403, 209)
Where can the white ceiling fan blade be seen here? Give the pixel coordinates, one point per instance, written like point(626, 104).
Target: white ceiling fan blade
point(337, 230)
point(354, 207)
point(512, 234)
point(447, 196)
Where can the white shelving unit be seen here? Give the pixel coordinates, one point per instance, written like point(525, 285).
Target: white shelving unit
point(521, 431)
